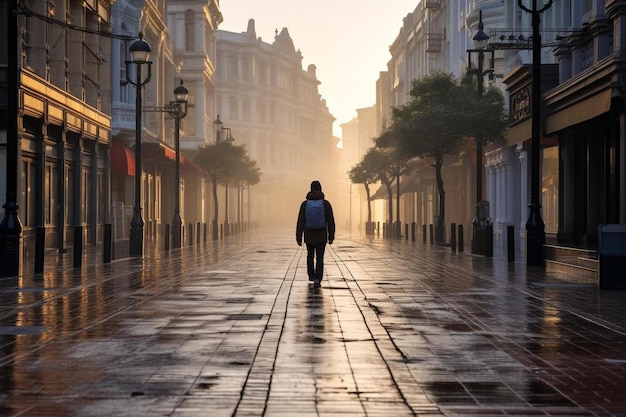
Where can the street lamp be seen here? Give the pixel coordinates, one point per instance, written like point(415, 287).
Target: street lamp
point(140, 53)
point(220, 129)
point(482, 236)
point(178, 110)
point(10, 226)
point(535, 227)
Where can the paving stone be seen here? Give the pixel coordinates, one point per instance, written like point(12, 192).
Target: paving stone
point(233, 328)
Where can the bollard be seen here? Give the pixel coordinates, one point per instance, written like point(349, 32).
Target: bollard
point(108, 233)
point(406, 231)
point(221, 230)
point(215, 230)
point(190, 234)
point(198, 234)
point(461, 243)
point(412, 231)
point(432, 232)
point(206, 231)
point(424, 233)
point(40, 249)
point(510, 237)
point(453, 236)
point(78, 246)
point(378, 228)
point(167, 237)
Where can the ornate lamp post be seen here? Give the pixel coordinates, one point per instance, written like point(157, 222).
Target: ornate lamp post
point(178, 110)
point(229, 138)
point(482, 236)
point(140, 53)
point(535, 227)
point(220, 130)
point(11, 227)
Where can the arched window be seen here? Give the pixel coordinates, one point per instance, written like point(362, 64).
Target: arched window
point(189, 30)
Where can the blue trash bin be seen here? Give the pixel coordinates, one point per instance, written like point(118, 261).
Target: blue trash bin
point(612, 256)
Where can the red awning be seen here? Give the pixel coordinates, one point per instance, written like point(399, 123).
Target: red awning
point(122, 159)
point(190, 168)
point(157, 152)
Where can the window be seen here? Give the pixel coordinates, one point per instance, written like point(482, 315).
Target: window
point(50, 194)
point(28, 185)
point(85, 193)
point(124, 89)
point(550, 188)
point(232, 108)
point(99, 200)
point(232, 69)
point(247, 116)
point(69, 195)
point(189, 31)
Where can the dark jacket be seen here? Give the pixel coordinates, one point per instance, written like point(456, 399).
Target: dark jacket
point(316, 236)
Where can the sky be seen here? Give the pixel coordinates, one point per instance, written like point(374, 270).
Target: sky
point(347, 40)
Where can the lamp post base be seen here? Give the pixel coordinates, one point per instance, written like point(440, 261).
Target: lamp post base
point(535, 236)
point(10, 246)
point(177, 231)
point(482, 241)
point(215, 230)
point(136, 234)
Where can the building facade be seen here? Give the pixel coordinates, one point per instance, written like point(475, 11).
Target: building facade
point(63, 122)
point(585, 113)
point(582, 171)
point(435, 37)
point(182, 39)
point(273, 107)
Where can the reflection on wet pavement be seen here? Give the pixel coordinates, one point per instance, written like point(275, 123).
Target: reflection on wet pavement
point(233, 328)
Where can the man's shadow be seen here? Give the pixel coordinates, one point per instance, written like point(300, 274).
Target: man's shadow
point(314, 326)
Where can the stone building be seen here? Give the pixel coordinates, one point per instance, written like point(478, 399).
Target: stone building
point(182, 39)
point(273, 107)
point(435, 36)
point(63, 123)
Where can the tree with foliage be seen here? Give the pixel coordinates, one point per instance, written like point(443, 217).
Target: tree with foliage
point(441, 115)
point(379, 161)
point(361, 173)
point(247, 174)
point(397, 161)
point(221, 160)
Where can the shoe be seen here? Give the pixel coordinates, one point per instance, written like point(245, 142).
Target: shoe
point(311, 279)
point(317, 283)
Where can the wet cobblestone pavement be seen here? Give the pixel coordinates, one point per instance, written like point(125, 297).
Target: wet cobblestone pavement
point(233, 328)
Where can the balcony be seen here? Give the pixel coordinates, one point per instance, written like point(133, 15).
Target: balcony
point(434, 42)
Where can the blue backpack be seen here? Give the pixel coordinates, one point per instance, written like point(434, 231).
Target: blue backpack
point(314, 215)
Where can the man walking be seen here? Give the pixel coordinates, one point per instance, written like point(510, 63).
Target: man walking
point(316, 221)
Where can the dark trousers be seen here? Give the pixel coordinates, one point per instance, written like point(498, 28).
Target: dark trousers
point(315, 260)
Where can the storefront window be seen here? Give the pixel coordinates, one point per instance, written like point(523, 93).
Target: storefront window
point(70, 193)
point(550, 189)
point(50, 190)
point(28, 186)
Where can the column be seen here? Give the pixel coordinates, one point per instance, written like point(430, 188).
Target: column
point(622, 169)
point(524, 192)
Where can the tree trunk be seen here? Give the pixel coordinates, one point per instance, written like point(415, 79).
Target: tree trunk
point(387, 184)
point(442, 199)
point(397, 228)
point(369, 203)
point(369, 226)
point(215, 202)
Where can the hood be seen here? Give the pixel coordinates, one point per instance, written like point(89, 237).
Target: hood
point(315, 195)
